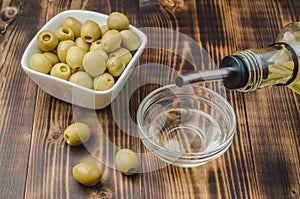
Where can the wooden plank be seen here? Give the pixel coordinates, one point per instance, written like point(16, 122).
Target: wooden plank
point(17, 99)
point(263, 161)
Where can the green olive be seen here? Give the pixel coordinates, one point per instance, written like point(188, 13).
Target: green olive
point(104, 29)
point(87, 174)
point(82, 78)
point(123, 54)
point(73, 24)
point(63, 48)
point(127, 161)
point(82, 44)
point(130, 40)
point(74, 57)
point(115, 66)
point(96, 46)
point(77, 134)
point(103, 82)
point(39, 62)
point(93, 63)
point(111, 40)
point(52, 57)
point(65, 33)
point(117, 21)
point(90, 31)
point(61, 70)
point(47, 40)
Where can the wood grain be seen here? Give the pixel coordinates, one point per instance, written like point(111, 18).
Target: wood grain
point(263, 161)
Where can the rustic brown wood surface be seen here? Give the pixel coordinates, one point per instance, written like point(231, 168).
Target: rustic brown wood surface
point(262, 162)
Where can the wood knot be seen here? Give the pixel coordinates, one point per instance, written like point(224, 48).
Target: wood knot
point(104, 193)
point(8, 15)
point(172, 4)
point(294, 192)
point(55, 135)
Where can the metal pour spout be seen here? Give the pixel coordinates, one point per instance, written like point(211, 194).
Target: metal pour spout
point(232, 72)
point(208, 75)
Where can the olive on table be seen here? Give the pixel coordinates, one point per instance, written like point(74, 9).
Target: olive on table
point(82, 78)
point(47, 40)
point(117, 21)
point(103, 82)
point(127, 161)
point(77, 134)
point(63, 48)
point(74, 57)
point(39, 62)
point(87, 174)
point(61, 70)
point(111, 40)
point(90, 31)
point(73, 24)
point(130, 40)
point(65, 33)
point(93, 63)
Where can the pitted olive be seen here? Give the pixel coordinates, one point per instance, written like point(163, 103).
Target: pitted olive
point(63, 48)
point(39, 62)
point(130, 40)
point(77, 134)
point(87, 174)
point(123, 54)
point(82, 44)
point(93, 63)
point(82, 78)
point(73, 24)
point(104, 29)
point(103, 82)
point(61, 70)
point(111, 40)
point(117, 21)
point(47, 40)
point(127, 161)
point(65, 33)
point(52, 57)
point(115, 66)
point(74, 57)
point(90, 31)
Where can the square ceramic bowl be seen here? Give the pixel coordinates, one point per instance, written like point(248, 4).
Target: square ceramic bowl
point(68, 91)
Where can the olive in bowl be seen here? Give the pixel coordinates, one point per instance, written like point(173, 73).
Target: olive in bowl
point(69, 91)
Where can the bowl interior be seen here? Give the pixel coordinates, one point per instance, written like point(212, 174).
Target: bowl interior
point(190, 122)
point(53, 85)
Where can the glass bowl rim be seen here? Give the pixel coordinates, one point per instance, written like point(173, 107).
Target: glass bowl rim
point(199, 155)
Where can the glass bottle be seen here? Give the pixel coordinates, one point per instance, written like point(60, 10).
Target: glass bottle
point(248, 70)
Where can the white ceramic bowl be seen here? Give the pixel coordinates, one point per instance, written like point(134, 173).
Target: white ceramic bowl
point(70, 92)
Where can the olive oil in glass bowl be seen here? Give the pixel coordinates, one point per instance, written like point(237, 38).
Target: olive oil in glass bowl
point(186, 126)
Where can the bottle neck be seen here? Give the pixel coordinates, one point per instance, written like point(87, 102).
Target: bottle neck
point(251, 69)
point(274, 65)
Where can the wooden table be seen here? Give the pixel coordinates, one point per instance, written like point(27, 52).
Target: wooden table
point(262, 162)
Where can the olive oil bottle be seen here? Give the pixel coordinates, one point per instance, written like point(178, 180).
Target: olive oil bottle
point(248, 70)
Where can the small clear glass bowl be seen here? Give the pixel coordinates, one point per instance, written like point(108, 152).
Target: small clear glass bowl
point(186, 126)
